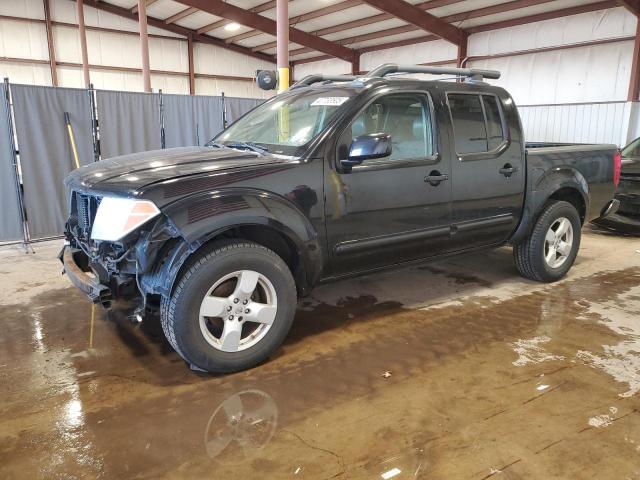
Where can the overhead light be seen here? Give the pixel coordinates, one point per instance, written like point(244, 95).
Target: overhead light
point(232, 27)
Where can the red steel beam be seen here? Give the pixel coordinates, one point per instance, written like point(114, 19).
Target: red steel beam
point(514, 5)
point(83, 43)
point(421, 19)
point(634, 81)
point(362, 22)
point(563, 12)
point(263, 7)
point(244, 17)
point(192, 73)
point(52, 50)
point(336, 7)
point(632, 5)
point(156, 22)
point(144, 45)
point(180, 15)
point(149, 2)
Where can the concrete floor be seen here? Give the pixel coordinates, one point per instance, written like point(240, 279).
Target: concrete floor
point(457, 369)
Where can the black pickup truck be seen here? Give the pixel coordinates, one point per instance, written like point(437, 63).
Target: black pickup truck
point(337, 176)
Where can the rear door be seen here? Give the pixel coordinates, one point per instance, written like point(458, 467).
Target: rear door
point(487, 169)
point(384, 211)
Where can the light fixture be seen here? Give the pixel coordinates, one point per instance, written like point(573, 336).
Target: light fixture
point(232, 27)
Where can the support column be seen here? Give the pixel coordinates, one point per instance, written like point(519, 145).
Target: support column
point(83, 43)
point(355, 64)
point(282, 41)
point(634, 82)
point(52, 50)
point(144, 44)
point(462, 51)
point(192, 73)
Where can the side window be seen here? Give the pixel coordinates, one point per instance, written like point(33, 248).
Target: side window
point(477, 122)
point(406, 118)
point(495, 133)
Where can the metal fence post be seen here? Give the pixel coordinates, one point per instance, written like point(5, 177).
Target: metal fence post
point(162, 136)
point(94, 123)
point(16, 169)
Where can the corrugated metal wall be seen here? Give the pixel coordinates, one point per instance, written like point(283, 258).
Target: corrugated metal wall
point(112, 49)
point(561, 91)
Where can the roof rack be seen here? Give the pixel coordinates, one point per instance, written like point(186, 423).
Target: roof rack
point(311, 79)
point(471, 73)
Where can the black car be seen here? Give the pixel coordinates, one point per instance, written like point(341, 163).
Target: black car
point(332, 178)
point(627, 218)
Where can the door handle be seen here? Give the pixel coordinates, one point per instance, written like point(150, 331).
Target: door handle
point(435, 177)
point(508, 170)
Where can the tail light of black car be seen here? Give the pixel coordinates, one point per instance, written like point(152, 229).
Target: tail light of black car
point(617, 167)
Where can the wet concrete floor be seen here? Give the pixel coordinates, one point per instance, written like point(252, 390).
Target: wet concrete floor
point(456, 369)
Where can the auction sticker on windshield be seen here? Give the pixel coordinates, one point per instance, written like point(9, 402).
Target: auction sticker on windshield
point(335, 101)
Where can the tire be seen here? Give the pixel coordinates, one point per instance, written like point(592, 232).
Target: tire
point(529, 255)
point(196, 318)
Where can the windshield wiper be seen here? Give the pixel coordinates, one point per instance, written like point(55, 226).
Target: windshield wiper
point(254, 147)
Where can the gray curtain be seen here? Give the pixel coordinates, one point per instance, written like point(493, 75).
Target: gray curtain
point(208, 115)
point(129, 122)
point(191, 120)
point(10, 226)
point(236, 107)
point(45, 151)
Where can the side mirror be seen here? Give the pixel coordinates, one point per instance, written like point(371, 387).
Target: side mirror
point(368, 147)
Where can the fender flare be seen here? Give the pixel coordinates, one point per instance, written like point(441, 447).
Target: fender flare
point(541, 188)
point(198, 218)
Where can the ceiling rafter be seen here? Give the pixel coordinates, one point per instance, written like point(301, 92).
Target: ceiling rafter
point(632, 5)
point(249, 19)
point(263, 7)
point(135, 8)
point(336, 7)
point(180, 15)
point(457, 17)
point(361, 22)
point(421, 19)
point(563, 12)
point(185, 32)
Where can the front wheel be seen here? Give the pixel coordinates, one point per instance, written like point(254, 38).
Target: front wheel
point(231, 308)
point(550, 250)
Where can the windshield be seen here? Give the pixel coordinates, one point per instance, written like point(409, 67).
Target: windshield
point(632, 150)
point(287, 122)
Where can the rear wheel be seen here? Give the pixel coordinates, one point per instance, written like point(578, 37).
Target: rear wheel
point(231, 308)
point(549, 252)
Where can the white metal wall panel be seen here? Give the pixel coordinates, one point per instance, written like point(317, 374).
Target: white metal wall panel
point(168, 55)
point(232, 88)
point(22, 8)
point(598, 25)
point(411, 54)
point(331, 66)
point(212, 60)
point(585, 74)
point(581, 123)
point(23, 40)
point(38, 74)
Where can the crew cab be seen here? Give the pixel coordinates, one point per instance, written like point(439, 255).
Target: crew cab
point(337, 176)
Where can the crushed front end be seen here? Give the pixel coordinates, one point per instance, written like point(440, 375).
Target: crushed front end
point(100, 259)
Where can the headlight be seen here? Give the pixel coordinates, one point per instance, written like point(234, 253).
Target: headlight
point(117, 217)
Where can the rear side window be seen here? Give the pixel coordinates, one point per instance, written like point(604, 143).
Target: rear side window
point(477, 122)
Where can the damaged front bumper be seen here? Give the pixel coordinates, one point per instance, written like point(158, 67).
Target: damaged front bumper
point(76, 266)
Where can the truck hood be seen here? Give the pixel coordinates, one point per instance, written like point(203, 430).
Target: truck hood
point(128, 174)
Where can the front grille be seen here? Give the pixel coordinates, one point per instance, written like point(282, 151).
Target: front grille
point(83, 213)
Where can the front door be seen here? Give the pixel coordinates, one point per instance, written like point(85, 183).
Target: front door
point(487, 170)
point(386, 211)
